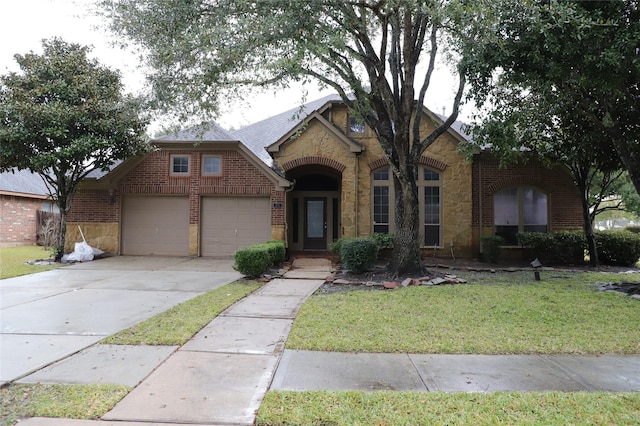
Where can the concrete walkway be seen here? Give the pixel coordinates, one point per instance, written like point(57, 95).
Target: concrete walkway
point(222, 374)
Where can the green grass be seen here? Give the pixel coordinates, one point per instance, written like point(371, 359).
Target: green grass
point(13, 261)
point(506, 313)
point(178, 324)
point(424, 408)
point(68, 401)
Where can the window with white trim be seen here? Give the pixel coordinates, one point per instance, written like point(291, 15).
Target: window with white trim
point(519, 209)
point(381, 201)
point(431, 186)
point(180, 165)
point(430, 205)
point(211, 165)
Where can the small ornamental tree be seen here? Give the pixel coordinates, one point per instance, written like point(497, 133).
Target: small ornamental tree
point(62, 116)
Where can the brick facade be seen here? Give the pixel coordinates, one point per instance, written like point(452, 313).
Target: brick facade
point(565, 210)
point(97, 208)
point(18, 219)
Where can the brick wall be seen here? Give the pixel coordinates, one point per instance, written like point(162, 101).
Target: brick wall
point(565, 211)
point(18, 219)
point(152, 177)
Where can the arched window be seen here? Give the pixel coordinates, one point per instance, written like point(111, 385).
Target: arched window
point(429, 197)
point(519, 209)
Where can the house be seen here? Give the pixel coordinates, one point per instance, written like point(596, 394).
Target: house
point(310, 176)
point(22, 195)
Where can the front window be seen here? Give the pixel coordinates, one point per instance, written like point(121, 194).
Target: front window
point(381, 201)
point(180, 165)
point(520, 209)
point(430, 193)
point(431, 187)
point(211, 165)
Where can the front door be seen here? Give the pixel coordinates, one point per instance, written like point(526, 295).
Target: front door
point(315, 226)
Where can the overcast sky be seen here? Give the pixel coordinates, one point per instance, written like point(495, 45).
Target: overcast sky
point(24, 23)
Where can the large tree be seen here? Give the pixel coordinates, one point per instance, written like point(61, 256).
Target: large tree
point(378, 55)
point(62, 116)
point(581, 55)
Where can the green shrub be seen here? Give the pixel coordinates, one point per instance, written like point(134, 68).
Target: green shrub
point(255, 260)
point(634, 229)
point(276, 249)
point(491, 245)
point(358, 254)
point(336, 246)
point(383, 241)
point(618, 247)
point(555, 248)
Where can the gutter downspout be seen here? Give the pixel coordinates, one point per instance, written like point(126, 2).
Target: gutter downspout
point(357, 193)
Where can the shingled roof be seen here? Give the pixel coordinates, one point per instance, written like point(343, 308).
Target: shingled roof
point(259, 135)
point(210, 132)
point(23, 182)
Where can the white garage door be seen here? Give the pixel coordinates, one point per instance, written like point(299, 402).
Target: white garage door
point(153, 225)
point(230, 223)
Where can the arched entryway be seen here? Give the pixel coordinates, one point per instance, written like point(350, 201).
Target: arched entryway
point(313, 214)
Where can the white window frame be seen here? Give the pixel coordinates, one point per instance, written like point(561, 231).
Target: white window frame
point(172, 165)
point(208, 156)
point(422, 183)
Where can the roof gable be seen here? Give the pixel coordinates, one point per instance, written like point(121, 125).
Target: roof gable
point(315, 116)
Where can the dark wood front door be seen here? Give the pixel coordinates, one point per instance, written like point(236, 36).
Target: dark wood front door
point(315, 223)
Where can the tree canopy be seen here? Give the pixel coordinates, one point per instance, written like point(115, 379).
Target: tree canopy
point(567, 68)
point(379, 56)
point(63, 116)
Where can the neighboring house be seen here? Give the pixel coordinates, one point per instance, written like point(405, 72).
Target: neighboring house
point(312, 175)
point(22, 195)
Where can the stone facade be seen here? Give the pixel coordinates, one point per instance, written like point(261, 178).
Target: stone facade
point(317, 144)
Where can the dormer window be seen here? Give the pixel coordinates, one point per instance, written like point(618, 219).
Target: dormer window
point(356, 125)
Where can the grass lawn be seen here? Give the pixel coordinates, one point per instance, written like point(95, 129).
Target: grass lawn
point(426, 408)
point(495, 313)
point(13, 261)
point(66, 401)
point(506, 313)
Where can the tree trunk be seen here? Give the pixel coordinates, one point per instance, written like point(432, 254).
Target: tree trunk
point(587, 223)
point(406, 245)
point(589, 235)
point(62, 235)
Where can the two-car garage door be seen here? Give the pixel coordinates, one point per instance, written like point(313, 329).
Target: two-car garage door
point(159, 225)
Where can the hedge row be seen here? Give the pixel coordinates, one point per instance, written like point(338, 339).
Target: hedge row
point(255, 260)
point(614, 247)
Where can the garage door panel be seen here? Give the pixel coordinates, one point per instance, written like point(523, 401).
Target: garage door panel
point(155, 225)
point(231, 223)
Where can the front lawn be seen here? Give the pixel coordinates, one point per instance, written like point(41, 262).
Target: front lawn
point(494, 314)
point(13, 261)
point(506, 313)
point(427, 408)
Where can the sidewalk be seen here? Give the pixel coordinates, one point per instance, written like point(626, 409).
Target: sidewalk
point(223, 373)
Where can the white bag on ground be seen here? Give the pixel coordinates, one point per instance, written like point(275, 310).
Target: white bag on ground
point(82, 252)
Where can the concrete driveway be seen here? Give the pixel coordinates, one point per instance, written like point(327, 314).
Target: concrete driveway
point(48, 316)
